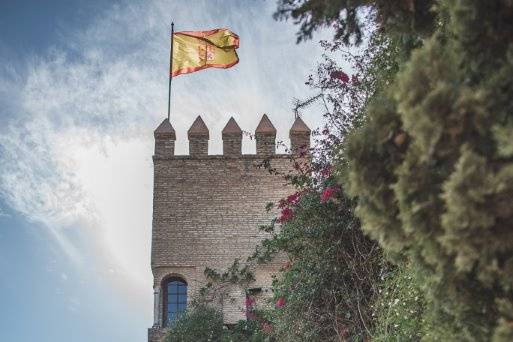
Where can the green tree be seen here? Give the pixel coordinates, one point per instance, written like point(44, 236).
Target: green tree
point(433, 167)
point(351, 18)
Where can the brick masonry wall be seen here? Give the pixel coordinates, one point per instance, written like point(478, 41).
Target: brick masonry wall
point(265, 144)
point(164, 147)
point(300, 142)
point(198, 147)
point(157, 334)
point(232, 146)
point(206, 213)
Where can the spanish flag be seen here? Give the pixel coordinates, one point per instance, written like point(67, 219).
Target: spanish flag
point(197, 50)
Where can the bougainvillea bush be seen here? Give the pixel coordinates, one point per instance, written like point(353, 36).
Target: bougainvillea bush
point(202, 322)
point(326, 290)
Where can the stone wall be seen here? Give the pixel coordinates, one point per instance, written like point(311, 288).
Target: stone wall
point(207, 210)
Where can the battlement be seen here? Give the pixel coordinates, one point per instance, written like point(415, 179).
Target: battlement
point(198, 136)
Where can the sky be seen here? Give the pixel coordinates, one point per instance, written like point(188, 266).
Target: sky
point(83, 84)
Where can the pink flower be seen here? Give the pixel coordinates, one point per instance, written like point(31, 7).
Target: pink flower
point(280, 302)
point(249, 302)
point(294, 198)
point(340, 75)
point(328, 193)
point(286, 214)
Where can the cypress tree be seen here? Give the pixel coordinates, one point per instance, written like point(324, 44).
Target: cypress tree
point(433, 166)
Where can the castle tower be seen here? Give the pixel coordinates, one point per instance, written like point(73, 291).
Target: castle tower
point(207, 210)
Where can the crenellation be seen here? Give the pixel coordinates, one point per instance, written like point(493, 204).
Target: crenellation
point(232, 139)
point(265, 136)
point(164, 139)
point(198, 138)
point(299, 137)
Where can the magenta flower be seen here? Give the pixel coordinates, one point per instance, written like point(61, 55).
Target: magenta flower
point(328, 193)
point(294, 198)
point(249, 302)
point(280, 302)
point(340, 75)
point(286, 215)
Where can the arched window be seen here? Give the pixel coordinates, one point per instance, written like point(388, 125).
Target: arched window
point(175, 299)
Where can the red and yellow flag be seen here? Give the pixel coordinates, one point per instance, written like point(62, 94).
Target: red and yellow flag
point(197, 50)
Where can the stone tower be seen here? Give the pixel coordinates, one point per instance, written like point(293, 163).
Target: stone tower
point(207, 209)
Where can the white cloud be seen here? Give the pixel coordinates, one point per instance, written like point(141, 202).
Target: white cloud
point(77, 154)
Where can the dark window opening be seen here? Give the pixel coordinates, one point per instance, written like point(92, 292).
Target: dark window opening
point(175, 299)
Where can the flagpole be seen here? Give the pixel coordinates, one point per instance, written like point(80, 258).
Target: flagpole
point(170, 72)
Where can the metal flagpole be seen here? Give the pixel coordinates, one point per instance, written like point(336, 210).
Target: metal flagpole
point(170, 72)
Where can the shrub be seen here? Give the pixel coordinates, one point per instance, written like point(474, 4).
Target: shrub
point(198, 323)
point(399, 312)
point(201, 322)
point(326, 291)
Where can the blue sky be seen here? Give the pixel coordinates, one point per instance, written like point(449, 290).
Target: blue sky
point(83, 84)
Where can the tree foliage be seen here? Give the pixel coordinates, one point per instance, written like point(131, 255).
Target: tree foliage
point(351, 18)
point(433, 169)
